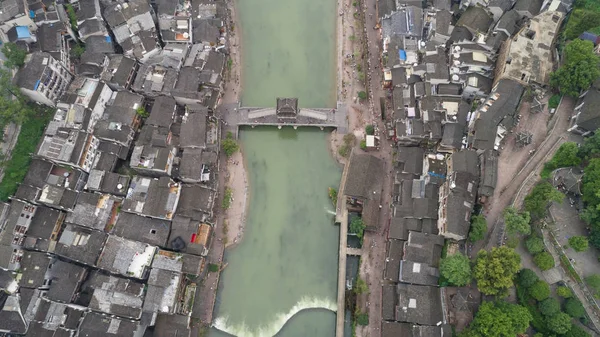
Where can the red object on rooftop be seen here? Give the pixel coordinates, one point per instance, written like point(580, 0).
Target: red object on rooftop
point(193, 238)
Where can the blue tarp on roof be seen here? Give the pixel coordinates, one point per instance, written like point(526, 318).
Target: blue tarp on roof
point(589, 37)
point(108, 39)
point(402, 54)
point(37, 84)
point(23, 32)
point(31, 14)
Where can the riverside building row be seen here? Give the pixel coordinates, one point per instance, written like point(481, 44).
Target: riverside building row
point(107, 234)
point(455, 74)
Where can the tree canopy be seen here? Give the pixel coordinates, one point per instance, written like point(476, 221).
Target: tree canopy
point(500, 319)
point(576, 331)
point(456, 269)
point(517, 222)
point(357, 226)
point(527, 278)
point(495, 270)
point(544, 261)
point(229, 145)
point(574, 308)
point(580, 68)
point(478, 228)
point(564, 292)
point(581, 20)
point(565, 156)
point(579, 243)
point(559, 323)
point(549, 307)
point(535, 245)
point(536, 202)
point(15, 55)
point(540, 290)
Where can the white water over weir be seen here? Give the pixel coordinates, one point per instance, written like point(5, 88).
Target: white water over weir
point(270, 330)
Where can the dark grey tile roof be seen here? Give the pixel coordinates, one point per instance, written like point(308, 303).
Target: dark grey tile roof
point(65, 278)
point(30, 73)
point(33, 267)
point(418, 273)
point(10, 319)
point(410, 159)
point(531, 7)
point(205, 30)
point(135, 227)
point(476, 19)
point(419, 304)
point(395, 251)
point(489, 172)
point(385, 8)
point(171, 325)
point(589, 115)
point(423, 248)
point(389, 299)
point(193, 130)
point(11, 8)
point(196, 202)
point(162, 111)
point(98, 325)
point(184, 228)
point(364, 177)
point(88, 9)
point(400, 227)
point(44, 222)
point(80, 244)
point(509, 22)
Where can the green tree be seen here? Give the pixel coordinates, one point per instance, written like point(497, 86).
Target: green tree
point(495, 270)
point(576, 331)
point(517, 222)
point(500, 319)
point(574, 308)
point(579, 70)
point(527, 278)
point(590, 147)
point(536, 202)
point(593, 281)
point(15, 55)
point(549, 307)
point(579, 243)
point(564, 292)
point(565, 156)
point(362, 319)
point(229, 145)
point(141, 111)
point(539, 291)
point(370, 129)
point(544, 261)
point(78, 50)
point(535, 245)
point(559, 323)
point(456, 269)
point(478, 228)
point(580, 21)
point(554, 101)
point(357, 226)
point(591, 182)
point(362, 95)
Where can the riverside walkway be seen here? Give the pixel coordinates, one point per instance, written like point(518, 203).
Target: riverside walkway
point(341, 218)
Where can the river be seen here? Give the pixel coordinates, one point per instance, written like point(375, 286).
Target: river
point(287, 260)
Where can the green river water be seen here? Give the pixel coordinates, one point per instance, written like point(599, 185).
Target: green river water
point(287, 260)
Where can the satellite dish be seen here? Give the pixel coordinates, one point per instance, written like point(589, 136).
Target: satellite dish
point(120, 186)
point(186, 35)
point(455, 77)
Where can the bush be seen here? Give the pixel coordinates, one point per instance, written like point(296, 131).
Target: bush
point(344, 151)
point(535, 245)
point(227, 198)
point(229, 145)
point(539, 291)
point(564, 292)
point(363, 144)
point(370, 130)
point(549, 307)
point(554, 101)
point(362, 319)
point(579, 243)
point(544, 261)
point(527, 278)
point(333, 196)
point(478, 228)
point(360, 287)
point(593, 281)
point(574, 308)
point(357, 226)
point(213, 268)
point(362, 95)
